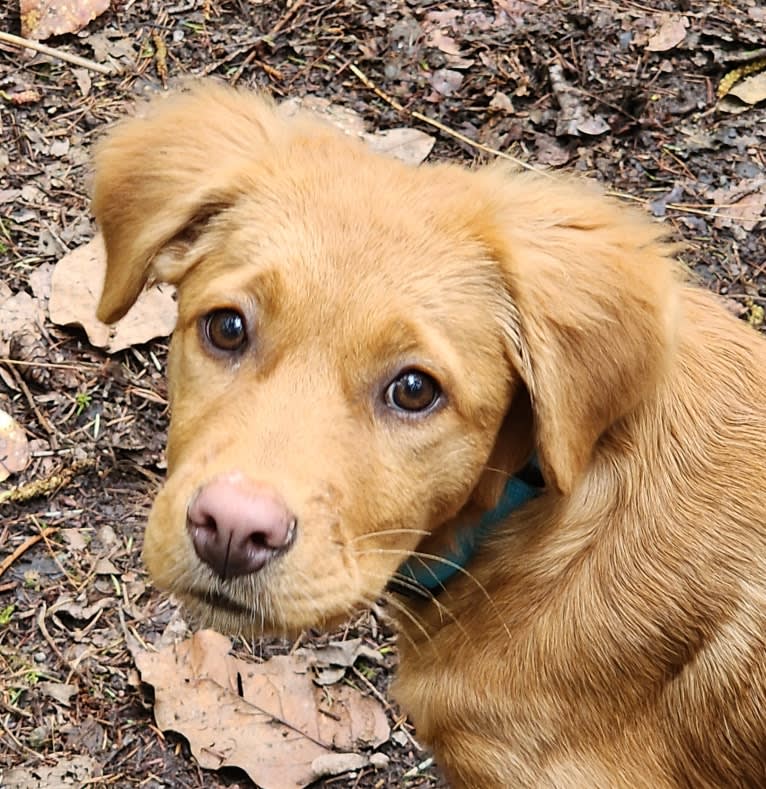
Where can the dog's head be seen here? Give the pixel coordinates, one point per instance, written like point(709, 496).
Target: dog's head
point(363, 348)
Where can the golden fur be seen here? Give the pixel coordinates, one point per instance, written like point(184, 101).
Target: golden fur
point(613, 631)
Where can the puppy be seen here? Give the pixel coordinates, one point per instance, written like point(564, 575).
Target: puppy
point(488, 395)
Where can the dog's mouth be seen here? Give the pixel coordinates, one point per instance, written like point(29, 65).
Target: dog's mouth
point(215, 599)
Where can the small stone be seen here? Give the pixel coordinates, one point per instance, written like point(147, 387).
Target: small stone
point(379, 761)
point(38, 736)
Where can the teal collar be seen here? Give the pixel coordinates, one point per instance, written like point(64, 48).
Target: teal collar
point(421, 577)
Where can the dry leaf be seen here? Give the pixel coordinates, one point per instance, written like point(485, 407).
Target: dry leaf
point(75, 291)
point(671, 32)
point(20, 314)
point(66, 605)
point(344, 118)
point(751, 89)
point(446, 81)
point(58, 691)
point(439, 39)
point(741, 204)
point(573, 118)
point(269, 719)
point(76, 772)
point(501, 101)
point(14, 447)
point(41, 19)
point(410, 146)
point(331, 661)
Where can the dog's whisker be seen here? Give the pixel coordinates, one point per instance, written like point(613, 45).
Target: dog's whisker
point(388, 532)
point(426, 595)
point(503, 472)
point(416, 621)
point(453, 565)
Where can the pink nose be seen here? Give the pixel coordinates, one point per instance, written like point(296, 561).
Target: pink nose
point(238, 525)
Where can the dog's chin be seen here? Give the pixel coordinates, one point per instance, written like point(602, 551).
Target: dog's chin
point(226, 614)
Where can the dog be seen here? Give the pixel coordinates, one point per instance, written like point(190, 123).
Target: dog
point(491, 396)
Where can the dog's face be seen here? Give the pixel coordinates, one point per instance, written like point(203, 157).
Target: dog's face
point(363, 349)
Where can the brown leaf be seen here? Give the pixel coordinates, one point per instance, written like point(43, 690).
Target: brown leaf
point(740, 204)
point(410, 146)
point(446, 81)
point(671, 32)
point(14, 447)
point(751, 89)
point(41, 19)
point(268, 719)
point(68, 771)
point(331, 661)
point(58, 691)
point(75, 290)
point(344, 118)
point(20, 314)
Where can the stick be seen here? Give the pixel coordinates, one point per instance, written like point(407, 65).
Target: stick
point(440, 126)
point(24, 547)
point(43, 487)
point(76, 60)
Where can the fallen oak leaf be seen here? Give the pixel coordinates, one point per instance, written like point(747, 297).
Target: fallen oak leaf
point(76, 288)
point(269, 719)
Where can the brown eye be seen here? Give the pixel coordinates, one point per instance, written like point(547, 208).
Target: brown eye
point(412, 391)
point(225, 329)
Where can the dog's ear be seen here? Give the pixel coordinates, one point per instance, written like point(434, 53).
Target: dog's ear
point(590, 308)
point(162, 177)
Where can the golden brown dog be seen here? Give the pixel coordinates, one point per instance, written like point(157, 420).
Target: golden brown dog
point(367, 355)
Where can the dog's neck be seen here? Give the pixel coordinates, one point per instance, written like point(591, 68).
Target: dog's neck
point(426, 576)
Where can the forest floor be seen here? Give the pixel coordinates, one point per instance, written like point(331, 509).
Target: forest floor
point(625, 92)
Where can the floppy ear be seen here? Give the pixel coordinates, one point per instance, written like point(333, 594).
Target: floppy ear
point(161, 178)
point(590, 309)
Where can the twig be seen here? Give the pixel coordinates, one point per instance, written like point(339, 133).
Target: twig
point(24, 547)
point(52, 644)
point(285, 18)
point(367, 82)
point(76, 60)
point(41, 418)
point(42, 487)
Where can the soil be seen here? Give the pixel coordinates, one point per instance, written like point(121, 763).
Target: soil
point(589, 86)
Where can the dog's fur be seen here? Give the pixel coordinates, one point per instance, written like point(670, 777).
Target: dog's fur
point(612, 633)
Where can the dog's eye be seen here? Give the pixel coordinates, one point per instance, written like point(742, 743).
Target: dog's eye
point(225, 329)
point(413, 391)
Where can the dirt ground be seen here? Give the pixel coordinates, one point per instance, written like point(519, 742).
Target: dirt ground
point(614, 90)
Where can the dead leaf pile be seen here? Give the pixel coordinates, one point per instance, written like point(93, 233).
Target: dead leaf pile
point(271, 719)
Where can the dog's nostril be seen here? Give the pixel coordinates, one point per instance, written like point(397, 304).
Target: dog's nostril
point(208, 524)
point(237, 526)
